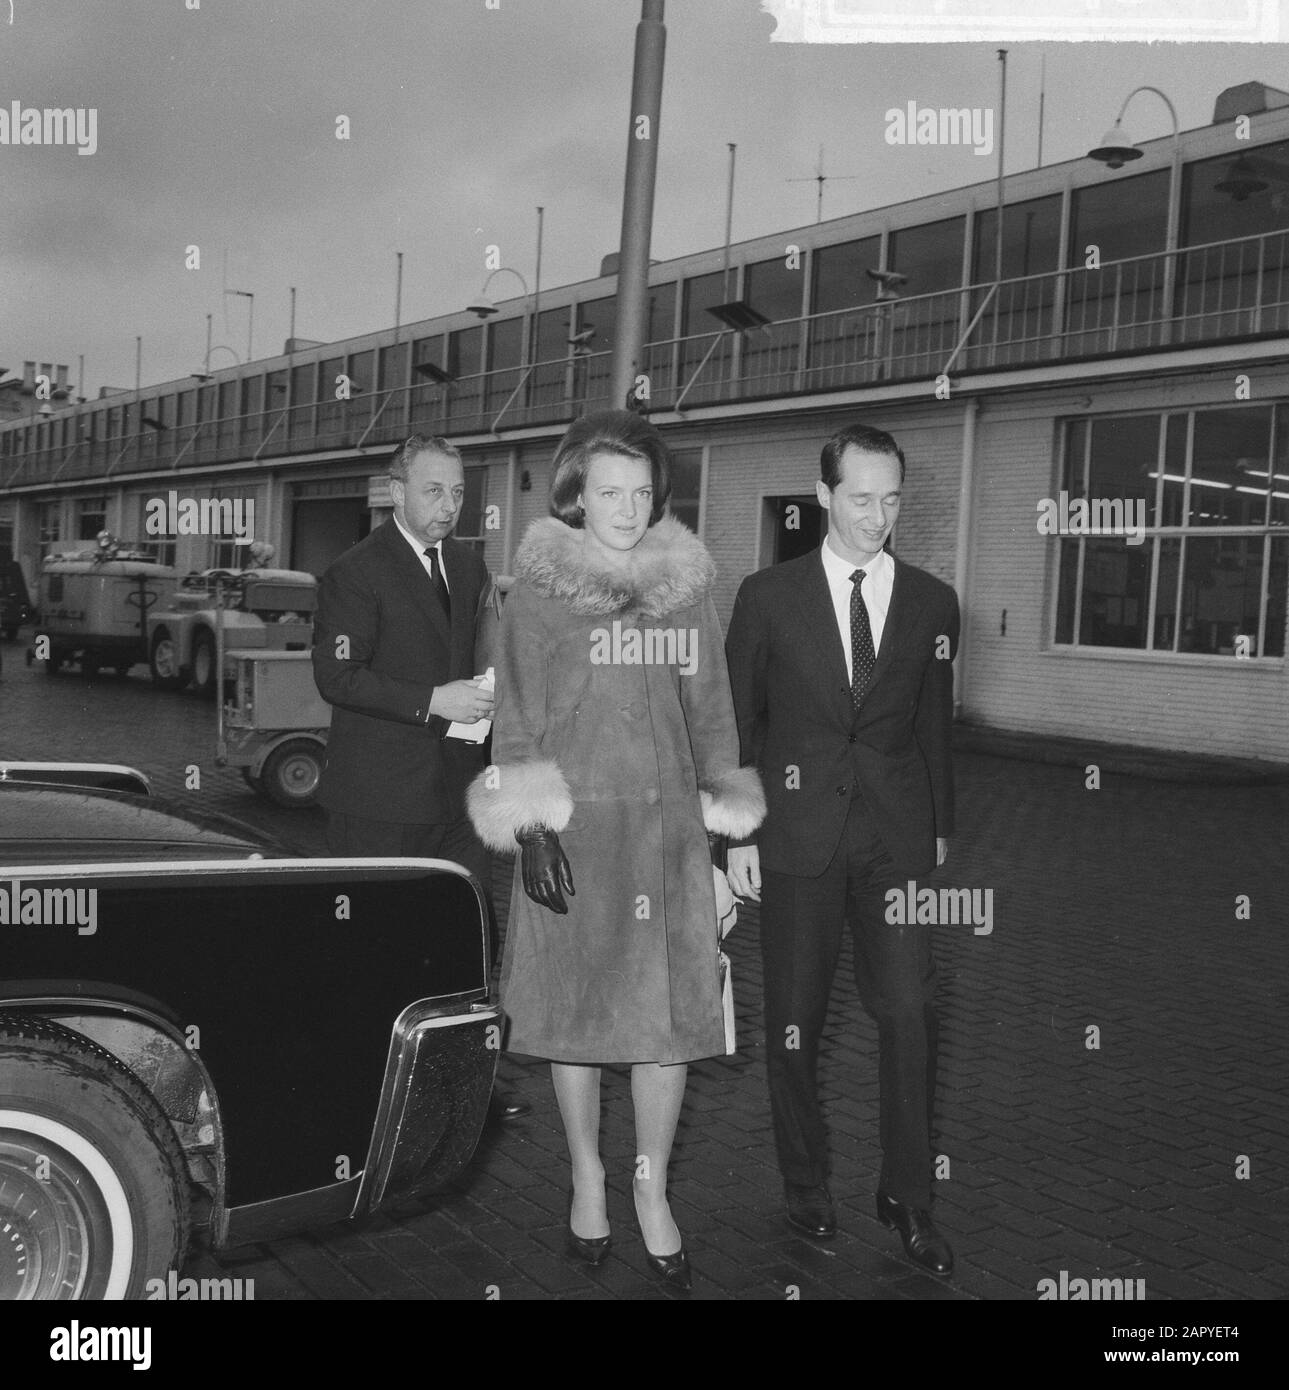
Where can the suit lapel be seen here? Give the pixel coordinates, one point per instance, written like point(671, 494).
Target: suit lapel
point(463, 611)
point(820, 619)
point(417, 581)
point(896, 624)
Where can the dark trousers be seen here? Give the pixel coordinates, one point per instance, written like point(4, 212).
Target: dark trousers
point(802, 920)
point(356, 837)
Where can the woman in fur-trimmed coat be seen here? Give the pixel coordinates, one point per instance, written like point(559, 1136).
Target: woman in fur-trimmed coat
point(615, 753)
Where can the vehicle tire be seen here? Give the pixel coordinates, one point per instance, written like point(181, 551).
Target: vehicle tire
point(291, 772)
point(203, 663)
point(163, 662)
point(89, 664)
point(54, 662)
point(93, 1188)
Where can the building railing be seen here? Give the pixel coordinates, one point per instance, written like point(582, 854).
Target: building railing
point(1219, 291)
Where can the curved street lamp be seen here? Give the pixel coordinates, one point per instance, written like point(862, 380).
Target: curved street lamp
point(1116, 149)
point(481, 305)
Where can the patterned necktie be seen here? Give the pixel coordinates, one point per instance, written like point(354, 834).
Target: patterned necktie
point(440, 584)
point(863, 657)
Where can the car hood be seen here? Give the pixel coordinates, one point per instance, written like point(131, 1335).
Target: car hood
point(48, 825)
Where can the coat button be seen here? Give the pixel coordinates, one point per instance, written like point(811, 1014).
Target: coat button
point(841, 791)
point(850, 738)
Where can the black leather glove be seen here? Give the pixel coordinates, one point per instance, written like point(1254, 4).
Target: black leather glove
point(545, 868)
point(718, 848)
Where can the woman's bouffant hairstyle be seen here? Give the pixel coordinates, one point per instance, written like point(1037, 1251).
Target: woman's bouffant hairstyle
point(607, 432)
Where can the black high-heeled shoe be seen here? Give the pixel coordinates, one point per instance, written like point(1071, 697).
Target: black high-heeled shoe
point(673, 1270)
point(592, 1251)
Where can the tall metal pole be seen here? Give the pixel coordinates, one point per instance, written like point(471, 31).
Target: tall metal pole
point(1042, 98)
point(292, 333)
point(729, 227)
point(398, 294)
point(1002, 134)
point(138, 365)
point(537, 292)
point(206, 367)
point(637, 204)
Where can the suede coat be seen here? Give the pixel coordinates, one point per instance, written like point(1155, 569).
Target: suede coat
point(614, 726)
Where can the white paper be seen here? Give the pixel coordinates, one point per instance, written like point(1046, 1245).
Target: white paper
point(477, 732)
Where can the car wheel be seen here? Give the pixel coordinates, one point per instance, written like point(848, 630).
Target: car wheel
point(203, 663)
point(93, 1201)
point(89, 664)
point(54, 662)
point(291, 772)
point(163, 662)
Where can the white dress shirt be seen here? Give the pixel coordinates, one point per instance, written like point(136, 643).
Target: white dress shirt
point(420, 548)
point(879, 579)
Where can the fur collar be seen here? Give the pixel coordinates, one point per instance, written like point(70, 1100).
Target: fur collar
point(669, 569)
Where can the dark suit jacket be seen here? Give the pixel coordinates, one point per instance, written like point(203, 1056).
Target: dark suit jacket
point(384, 760)
point(794, 708)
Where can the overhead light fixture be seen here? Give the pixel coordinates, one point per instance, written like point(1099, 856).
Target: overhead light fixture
point(888, 282)
point(482, 307)
point(1241, 181)
point(739, 315)
point(1117, 147)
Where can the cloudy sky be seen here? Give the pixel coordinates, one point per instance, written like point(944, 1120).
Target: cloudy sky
point(216, 128)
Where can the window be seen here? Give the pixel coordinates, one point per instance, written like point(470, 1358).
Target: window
point(1015, 326)
point(470, 522)
point(771, 355)
point(1209, 490)
point(921, 332)
point(505, 352)
point(49, 524)
point(592, 358)
point(465, 362)
point(842, 344)
point(1230, 290)
point(659, 334)
point(1116, 308)
point(685, 503)
point(546, 385)
point(91, 517)
point(699, 330)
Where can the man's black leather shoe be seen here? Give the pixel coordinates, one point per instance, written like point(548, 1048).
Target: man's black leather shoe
point(810, 1210)
point(923, 1244)
point(502, 1108)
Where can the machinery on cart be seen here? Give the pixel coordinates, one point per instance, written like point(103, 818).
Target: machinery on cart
point(275, 726)
point(257, 609)
point(94, 606)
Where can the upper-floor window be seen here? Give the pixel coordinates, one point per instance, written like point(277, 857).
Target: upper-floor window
point(929, 255)
point(1121, 217)
point(1242, 193)
point(1031, 240)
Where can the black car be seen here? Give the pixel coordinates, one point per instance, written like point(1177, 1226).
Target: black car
point(203, 1036)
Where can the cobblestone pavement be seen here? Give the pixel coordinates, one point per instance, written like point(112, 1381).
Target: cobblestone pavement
point(1113, 910)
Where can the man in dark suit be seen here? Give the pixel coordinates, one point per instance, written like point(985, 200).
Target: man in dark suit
point(841, 666)
point(394, 656)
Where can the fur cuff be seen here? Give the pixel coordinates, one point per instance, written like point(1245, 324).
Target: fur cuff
point(734, 805)
point(513, 796)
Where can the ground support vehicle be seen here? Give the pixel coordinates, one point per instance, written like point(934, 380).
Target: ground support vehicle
point(94, 606)
point(200, 1044)
point(275, 726)
point(261, 609)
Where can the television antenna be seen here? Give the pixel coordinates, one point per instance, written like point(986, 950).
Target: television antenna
point(819, 178)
